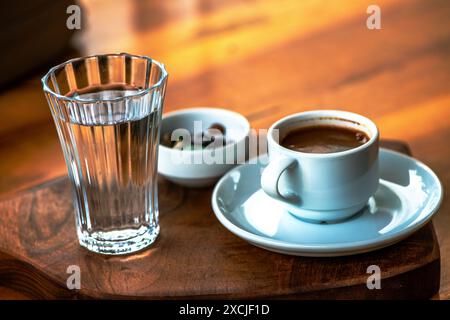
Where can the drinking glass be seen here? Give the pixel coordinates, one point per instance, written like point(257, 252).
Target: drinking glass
point(107, 111)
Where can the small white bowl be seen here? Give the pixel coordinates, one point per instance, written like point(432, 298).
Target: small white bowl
point(188, 167)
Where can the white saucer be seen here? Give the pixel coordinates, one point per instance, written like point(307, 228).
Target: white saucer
point(408, 196)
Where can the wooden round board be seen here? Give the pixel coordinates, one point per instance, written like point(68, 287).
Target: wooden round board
point(194, 257)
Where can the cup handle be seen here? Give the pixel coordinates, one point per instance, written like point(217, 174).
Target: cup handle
point(271, 176)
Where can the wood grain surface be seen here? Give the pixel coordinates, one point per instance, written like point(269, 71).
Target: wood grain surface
point(194, 257)
point(265, 59)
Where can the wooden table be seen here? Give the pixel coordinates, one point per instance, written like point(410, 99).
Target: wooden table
point(265, 59)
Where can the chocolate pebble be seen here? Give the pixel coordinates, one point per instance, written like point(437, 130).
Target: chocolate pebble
point(219, 127)
point(178, 144)
point(165, 140)
point(215, 133)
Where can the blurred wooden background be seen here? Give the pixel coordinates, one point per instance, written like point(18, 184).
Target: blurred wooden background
point(265, 59)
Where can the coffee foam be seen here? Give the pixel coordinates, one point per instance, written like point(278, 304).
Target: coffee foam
point(322, 121)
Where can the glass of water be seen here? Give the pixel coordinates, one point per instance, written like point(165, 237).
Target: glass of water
point(107, 110)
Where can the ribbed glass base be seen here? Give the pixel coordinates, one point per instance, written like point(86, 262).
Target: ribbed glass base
point(119, 242)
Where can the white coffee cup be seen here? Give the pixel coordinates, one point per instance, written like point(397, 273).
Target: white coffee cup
point(322, 187)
